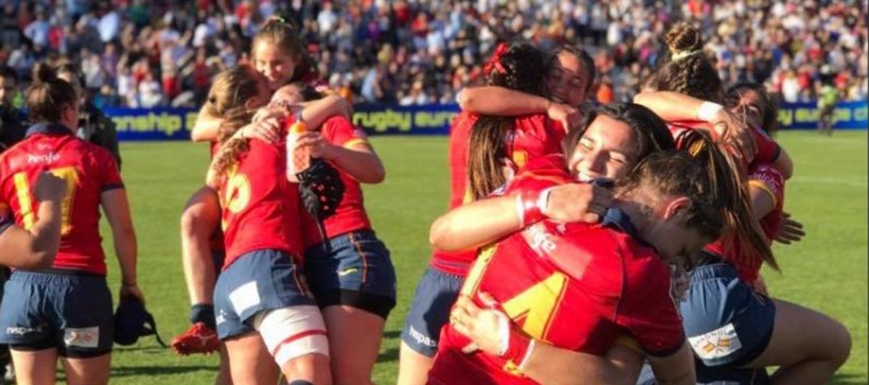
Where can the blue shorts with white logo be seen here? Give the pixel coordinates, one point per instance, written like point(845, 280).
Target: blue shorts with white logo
point(358, 273)
point(70, 311)
point(435, 295)
point(257, 281)
point(726, 321)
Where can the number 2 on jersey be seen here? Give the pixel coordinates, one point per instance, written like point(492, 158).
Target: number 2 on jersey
point(22, 190)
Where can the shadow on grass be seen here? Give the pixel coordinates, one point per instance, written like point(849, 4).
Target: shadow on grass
point(388, 355)
point(126, 371)
point(847, 379)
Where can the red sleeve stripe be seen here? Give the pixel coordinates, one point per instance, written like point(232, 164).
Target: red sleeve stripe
point(296, 337)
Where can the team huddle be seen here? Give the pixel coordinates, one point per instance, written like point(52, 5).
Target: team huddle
point(612, 244)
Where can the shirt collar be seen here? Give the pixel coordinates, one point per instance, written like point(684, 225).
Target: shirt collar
point(48, 128)
point(617, 218)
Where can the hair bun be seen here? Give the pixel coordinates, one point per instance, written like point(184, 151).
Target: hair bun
point(684, 37)
point(43, 73)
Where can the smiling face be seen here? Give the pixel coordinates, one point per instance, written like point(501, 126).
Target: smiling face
point(277, 66)
point(606, 149)
point(568, 80)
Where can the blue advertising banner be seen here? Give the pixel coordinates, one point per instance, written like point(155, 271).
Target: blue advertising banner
point(804, 116)
point(432, 119)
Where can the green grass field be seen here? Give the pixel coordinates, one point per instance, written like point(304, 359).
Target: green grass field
point(827, 271)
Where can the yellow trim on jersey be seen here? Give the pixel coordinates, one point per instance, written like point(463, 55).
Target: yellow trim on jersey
point(353, 142)
point(763, 186)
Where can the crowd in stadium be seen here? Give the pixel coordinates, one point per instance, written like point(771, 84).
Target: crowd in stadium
point(604, 242)
point(162, 53)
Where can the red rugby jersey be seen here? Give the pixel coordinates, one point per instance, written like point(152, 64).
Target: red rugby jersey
point(769, 178)
point(88, 169)
point(575, 286)
point(535, 135)
point(350, 214)
point(260, 207)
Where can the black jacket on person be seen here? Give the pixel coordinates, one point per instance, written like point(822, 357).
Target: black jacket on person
point(97, 128)
point(13, 125)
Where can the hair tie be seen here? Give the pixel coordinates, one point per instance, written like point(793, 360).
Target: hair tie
point(682, 55)
point(495, 61)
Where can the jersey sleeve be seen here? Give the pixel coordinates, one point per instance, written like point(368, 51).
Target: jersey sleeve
point(341, 132)
point(540, 173)
point(6, 219)
point(111, 177)
point(770, 179)
point(649, 312)
point(767, 149)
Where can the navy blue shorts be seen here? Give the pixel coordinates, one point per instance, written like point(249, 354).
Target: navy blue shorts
point(217, 257)
point(435, 295)
point(715, 376)
point(257, 281)
point(72, 313)
point(359, 273)
point(726, 321)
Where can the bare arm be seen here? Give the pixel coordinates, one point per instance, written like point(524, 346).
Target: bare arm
point(546, 364)
point(359, 160)
point(491, 100)
point(762, 200)
point(785, 164)
point(673, 106)
point(206, 126)
point(482, 222)
point(36, 248)
point(315, 113)
point(500, 101)
point(117, 210)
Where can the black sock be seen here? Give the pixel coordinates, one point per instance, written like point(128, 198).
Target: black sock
point(204, 313)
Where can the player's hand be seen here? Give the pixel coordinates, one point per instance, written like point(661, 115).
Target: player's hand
point(567, 115)
point(789, 231)
point(133, 290)
point(732, 130)
point(267, 113)
point(481, 325)
point(268, 130)
point(578, 202)
point(49, 188)
point(320, 148)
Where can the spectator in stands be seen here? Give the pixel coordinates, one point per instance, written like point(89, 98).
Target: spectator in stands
point(12, 121)
point(444, 41)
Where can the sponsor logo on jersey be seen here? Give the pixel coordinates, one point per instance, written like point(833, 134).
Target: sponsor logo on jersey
point(51, 157)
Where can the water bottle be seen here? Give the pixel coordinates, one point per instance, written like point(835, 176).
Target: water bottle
point(298, 159)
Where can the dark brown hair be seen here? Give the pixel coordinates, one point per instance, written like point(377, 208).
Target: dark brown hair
point(520, 67)
point(704, 173)
point(584, 58)
point(768, 103)
point(288, 38)
point(48, 95)
point(687, 70)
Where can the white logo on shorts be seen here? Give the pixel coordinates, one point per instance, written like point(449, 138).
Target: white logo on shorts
point(422, 339)
point(22, 330)
point(82, 337)
point(245, 297)
point(718, 343)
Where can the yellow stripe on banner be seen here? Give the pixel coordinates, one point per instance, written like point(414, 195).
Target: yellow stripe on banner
point(22, 190)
